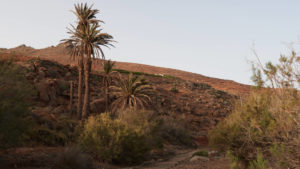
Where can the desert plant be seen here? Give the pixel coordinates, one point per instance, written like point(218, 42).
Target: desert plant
point(174, 88)
point(173, 131)
point(263, 130)
point(15, 93)
point(201, 153)
point(113, 141)
point(259, 162)
point(132, 93)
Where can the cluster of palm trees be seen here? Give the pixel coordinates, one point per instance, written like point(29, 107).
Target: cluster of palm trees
point(85, 42)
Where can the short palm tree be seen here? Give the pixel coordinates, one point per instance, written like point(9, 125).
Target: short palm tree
point(85, 16)
point(86, 41)
point(107, 79)
point(132, 93)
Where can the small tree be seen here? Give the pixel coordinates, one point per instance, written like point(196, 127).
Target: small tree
point(132, 92)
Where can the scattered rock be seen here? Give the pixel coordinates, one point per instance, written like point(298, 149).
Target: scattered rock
point(196, 158)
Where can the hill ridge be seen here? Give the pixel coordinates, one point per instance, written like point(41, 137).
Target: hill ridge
point(59, 53)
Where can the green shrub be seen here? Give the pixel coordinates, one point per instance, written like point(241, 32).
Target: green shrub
point(201, 153)
point(113, 141)
point(201, 86)
point(174, 88)
point(73, 158)
point(259, 162)
point(146, 123)
point(248, 127)
point(49, 137)
point(173, 131)
point(15, 93)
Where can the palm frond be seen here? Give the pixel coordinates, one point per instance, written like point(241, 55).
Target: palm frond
point(132, 92)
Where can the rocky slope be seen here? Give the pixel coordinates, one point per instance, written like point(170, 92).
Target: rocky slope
point(60, 54)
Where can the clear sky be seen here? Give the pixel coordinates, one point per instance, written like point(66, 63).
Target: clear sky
point(209, 37)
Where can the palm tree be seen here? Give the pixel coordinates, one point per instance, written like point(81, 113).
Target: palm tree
point(85, 42)
point(85, 16)
point(108, 70)
point(132, 93)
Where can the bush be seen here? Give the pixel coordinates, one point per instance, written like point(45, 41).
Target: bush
point(201, 153)
point(174, 88)
point(73, 158)
point(146, 123)
point(113, 141)
point(173, 131)
point(15, 119)
point(263, 130)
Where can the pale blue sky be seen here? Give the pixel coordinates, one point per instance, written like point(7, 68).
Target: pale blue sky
point(212, 37)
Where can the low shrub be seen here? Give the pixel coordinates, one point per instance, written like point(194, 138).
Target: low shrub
point(174, 88)
point(173, 131)
point(201, 153)
point(113, 140)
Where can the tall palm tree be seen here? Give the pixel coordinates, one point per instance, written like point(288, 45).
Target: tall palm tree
point(108, 70)
point(85, 16)
point(132, 93)
point(92, 39)
point(85, 41)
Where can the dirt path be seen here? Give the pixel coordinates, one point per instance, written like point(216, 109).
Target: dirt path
point(41, 158)
point(183, 159)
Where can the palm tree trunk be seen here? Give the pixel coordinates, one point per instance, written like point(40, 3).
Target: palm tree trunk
point(80, 87)
point(71, 97)
point(107, 97)
point(86, 101)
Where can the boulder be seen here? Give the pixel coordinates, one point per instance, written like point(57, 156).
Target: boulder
point(48, 91)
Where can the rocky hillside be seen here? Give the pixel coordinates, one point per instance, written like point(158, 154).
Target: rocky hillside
point(199, 105)
point(60, 54)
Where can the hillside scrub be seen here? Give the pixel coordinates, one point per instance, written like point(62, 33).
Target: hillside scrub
point(15, 119)
point(128, 139)
point(263, 131)
point(113, 141)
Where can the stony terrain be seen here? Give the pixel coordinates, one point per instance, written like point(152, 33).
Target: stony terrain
point(60, 54)
point(199, 102)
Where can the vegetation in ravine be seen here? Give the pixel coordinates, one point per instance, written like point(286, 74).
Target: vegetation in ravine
point(263, 130)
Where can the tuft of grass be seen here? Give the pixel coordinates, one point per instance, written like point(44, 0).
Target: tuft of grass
point(201, 153)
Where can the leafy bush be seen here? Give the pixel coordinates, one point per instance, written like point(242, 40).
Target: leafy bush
point(113, 141)
point(201, 153)
point(73, 158)
point(145, 122)
point(15, 119)
point(259, 162)
point(173, 131)
point(201, 86)
point(263, 130)
point(174, 88)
